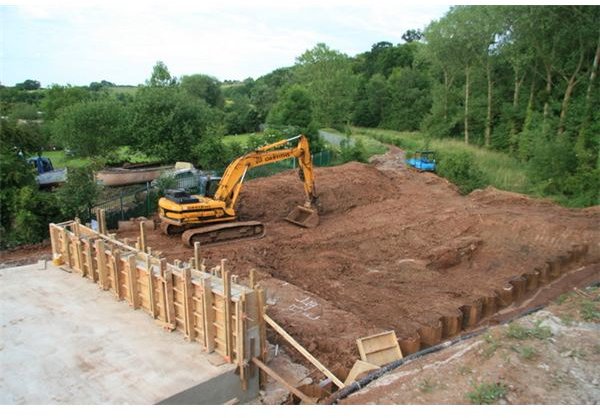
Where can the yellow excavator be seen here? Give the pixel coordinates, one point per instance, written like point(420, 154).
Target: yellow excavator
point(211, 218)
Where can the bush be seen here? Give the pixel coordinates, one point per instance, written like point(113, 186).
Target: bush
point(355, 151)
point(78, 194)
point(461, 169)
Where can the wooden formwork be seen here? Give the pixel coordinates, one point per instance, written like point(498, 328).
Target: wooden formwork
point(223, 317)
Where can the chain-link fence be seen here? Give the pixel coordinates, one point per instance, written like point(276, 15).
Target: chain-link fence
point(130, 204)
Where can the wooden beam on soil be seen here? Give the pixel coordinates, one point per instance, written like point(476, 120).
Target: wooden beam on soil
point(262, 366)
point(303, 351)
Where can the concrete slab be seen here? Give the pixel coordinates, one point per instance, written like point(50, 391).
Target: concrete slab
point(65, 341)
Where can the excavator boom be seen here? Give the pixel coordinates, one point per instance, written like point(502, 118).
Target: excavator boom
point(212, 220)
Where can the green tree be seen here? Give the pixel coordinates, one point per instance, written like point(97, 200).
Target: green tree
point(92, 128)
point(372, 101)
point(203, 87)
point(293, 109)
point(28, 85)
point(161, 77)
point(59, 97)
point(327, 75)
point(409, 99)
point(167, 123)
point(79, 193)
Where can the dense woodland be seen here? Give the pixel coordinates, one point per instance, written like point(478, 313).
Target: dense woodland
point(517, 79)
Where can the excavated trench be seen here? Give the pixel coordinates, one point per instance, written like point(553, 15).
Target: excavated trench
point(400, 250)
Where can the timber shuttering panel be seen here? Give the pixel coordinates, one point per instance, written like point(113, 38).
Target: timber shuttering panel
point(205, 306)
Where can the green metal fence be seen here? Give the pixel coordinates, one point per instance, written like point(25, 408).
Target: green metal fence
point(127, 205)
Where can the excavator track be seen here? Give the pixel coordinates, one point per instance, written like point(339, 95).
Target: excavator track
point(228, 232)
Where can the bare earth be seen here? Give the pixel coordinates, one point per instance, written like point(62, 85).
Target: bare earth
point(396, 249)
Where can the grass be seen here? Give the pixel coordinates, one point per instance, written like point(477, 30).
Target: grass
point(501, 170)
point(527, 352)
point(487, 393)
point(589, 311)
point(60, 160)
point(519, 332)
point(491, 347)
point(426, 386)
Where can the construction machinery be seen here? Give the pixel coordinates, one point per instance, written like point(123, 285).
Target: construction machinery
point(423, 161)
point(211, 218)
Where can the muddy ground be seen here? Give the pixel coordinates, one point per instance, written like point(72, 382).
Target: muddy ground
point(396, 249)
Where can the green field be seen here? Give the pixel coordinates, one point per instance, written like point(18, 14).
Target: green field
point(60, 160)
point(122, 89)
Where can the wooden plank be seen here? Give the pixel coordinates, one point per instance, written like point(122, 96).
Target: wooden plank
point(116, 282)
point(53, 240)
point(379, 349)
point(263, 347)
point(66, 248)
point(91, 270)
point(227, 297)
point(102, 264)
point(142, 238)
point(359, 368)
point(303, 351)
point(187, 304)
point(262, 366)
point(169, 305)
point(240, 339)
point(134, 299)
point(151, 289)
point(208, 314)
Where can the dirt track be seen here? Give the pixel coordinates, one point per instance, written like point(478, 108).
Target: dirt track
point(396, 249)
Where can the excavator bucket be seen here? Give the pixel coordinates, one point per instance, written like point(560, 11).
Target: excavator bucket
point(303, 216)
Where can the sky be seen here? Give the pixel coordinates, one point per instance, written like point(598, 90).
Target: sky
point(77, 42)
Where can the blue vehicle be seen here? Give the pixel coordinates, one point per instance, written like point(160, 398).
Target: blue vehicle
point(46, 174)
point(423, 161)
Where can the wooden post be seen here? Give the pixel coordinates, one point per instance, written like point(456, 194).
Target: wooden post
point(188, 303)
point(169, 305)
point(66, 247)
point(151, 288)
point(101, 218)
point(132, 281)
point(303, 351)
point(53, 241)
point(197, 255)
point(252, 278)
point(241, 339)
point(102, 264)
point(91, 271)
point(208, 315)
point(266, 369)
point(79, 255)
point(263, 347)
point(116, 257)
point(142, 238)
point(227, 298)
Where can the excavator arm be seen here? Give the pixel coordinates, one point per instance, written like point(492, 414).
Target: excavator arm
point(231, 183)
